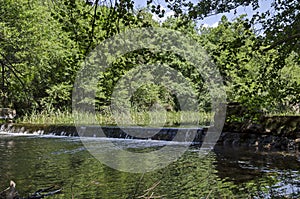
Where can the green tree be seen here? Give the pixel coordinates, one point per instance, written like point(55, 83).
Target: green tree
point(35, 53)
point(43, 45)
point(253, 77)
point(280, 23)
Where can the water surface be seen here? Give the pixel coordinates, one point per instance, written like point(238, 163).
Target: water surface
point(35, 162)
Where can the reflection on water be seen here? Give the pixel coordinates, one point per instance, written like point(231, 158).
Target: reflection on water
point(37, 162)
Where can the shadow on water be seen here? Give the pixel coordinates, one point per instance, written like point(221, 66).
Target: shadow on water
point(37, 162)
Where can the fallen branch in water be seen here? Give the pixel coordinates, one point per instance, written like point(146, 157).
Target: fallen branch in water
point(41, 193)
point(12, 193)
point(149, 194)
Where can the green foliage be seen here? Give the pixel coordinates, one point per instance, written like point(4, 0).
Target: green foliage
point(280, 23)
point(35, 53)
point(42, 46)
point(148, 94)
point(252, 76)
point(152, 97)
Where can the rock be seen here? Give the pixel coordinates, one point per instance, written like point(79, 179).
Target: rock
point(7, 114)
point(10, 192)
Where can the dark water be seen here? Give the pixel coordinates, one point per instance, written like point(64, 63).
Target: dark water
point(38, 162)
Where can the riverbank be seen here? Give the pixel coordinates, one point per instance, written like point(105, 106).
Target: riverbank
point(269, 132)
point(283, 126)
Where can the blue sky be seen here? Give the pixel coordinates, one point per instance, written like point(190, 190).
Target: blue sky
point(213, 20)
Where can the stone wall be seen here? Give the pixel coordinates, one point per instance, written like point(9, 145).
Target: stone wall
point(282, 126)
point(269, 132)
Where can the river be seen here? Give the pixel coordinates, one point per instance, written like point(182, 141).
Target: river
point(35, 162)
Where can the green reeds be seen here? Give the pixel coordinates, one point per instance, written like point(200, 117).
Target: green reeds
point(151, 118)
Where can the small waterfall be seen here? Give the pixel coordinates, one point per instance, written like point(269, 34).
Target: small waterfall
point(152, 133)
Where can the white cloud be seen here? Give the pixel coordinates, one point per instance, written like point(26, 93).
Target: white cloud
point(168, 13)
point(211, 25)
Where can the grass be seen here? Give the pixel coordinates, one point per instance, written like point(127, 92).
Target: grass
point(46, 117)
point(151, 118)
point(288, 113)
point(157, 118)
point(282, 111)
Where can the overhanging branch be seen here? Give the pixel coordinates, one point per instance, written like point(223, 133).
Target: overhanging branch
point(282, 41)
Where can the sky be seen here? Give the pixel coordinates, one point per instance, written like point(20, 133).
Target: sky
point(212, 21)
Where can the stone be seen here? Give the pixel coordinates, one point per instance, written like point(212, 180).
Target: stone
point(7, 114)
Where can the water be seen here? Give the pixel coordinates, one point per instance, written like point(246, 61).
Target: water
point(35, 162)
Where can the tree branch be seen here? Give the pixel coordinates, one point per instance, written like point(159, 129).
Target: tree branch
point(10, 66)
point(15, 71)
point(93, 27)
point(282, 41)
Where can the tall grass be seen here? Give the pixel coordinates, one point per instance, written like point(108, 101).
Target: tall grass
point(282, 113)
point(156, 118)
point(282, 110)
point(47, 117)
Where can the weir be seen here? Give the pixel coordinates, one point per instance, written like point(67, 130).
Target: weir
point(264, 140)
point(130, 132)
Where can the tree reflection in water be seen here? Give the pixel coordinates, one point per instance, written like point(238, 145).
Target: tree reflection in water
point(34, 162)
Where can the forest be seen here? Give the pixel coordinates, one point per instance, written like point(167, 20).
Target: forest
point(44, 43)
